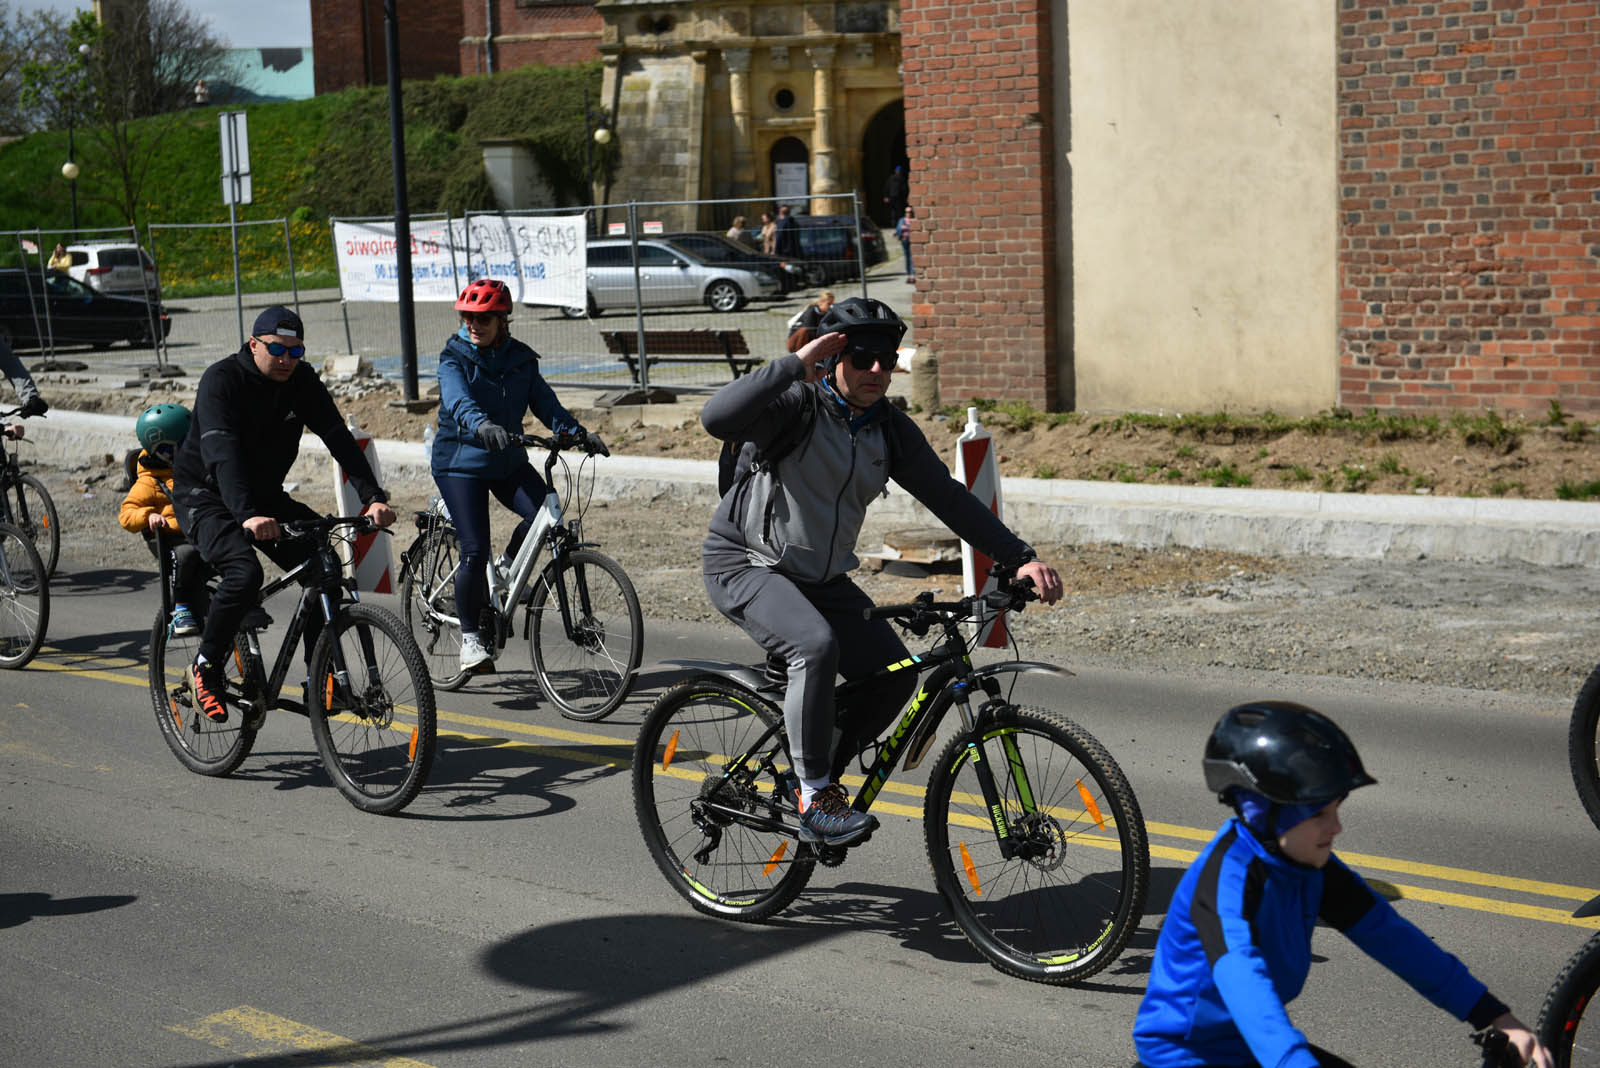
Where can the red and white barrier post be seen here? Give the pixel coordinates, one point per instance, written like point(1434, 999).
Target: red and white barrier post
point(368, 560)
point(975, 467)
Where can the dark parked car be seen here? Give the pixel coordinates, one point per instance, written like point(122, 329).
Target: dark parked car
point(830, 251)
point(716, 248)
point(73, 314)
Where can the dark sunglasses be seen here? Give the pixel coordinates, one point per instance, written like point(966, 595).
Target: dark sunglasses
point(278, 348)
point(479, 318)
point(864, 359)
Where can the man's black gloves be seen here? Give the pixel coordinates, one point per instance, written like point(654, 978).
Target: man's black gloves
point(33, 406)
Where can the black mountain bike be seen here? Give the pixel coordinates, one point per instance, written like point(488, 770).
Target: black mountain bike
point(1562, 1025)
point(1036, 840)
point(24, 598)
point(367, 695)
point(584, 627)
point(26, 504)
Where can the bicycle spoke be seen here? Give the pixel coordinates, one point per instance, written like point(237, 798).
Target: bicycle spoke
point(585, 658)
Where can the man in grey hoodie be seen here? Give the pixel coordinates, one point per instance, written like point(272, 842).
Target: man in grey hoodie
point(782, 542)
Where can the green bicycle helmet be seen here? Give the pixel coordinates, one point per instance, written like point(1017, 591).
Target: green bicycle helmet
point(161, 430)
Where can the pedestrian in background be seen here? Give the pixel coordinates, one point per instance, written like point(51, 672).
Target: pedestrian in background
point(787, 242)
point(736, 231)
point(769, 234)
point(60, 259)
point(902, 230)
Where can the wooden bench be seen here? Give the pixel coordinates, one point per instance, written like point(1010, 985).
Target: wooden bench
point(682, 346)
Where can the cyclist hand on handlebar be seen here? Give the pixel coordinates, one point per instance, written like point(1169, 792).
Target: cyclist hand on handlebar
point(34, 405)
point(1045, 580)
point(381, 514)
point(1524, 1041)
point(14, 431)
point(262, 528)
point(494, 436)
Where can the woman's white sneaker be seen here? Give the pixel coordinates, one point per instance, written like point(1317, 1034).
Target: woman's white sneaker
point(473, 652)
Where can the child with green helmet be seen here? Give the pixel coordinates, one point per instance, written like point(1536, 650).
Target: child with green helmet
point(148, 505)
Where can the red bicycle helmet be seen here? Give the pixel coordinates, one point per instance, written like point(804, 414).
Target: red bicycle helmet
point(485, 295)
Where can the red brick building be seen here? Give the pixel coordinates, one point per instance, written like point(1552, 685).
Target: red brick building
point(1469, 253)
point(435, 39)
point(1468, 221)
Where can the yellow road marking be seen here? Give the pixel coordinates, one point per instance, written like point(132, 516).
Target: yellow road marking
point(1365, 861)
point(248, 1032)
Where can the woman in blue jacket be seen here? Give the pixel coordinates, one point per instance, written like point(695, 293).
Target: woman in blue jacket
point(487, 381)
point(1236, 945)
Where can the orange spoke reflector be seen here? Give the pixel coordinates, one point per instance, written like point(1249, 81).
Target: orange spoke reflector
point(776, 858)
point(411, 750)
point(44, 521)
point(972, 872)
point(177, 716)
point(238, 661)
point(672, 747)
point(327, 700)
point(1088, 803)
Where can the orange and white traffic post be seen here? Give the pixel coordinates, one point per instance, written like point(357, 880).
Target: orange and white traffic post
point(976, 468)
point(368, 558)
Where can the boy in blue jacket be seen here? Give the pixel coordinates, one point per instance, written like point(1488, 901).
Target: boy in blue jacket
point(1236, 945)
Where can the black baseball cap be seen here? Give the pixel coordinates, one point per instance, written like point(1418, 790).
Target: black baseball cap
point(279, 320)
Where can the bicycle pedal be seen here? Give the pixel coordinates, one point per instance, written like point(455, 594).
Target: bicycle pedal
point(252, 715)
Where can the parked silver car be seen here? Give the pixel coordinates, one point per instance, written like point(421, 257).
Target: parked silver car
point(668, 275)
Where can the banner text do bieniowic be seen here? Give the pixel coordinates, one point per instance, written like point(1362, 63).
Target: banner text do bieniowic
point(540, 257)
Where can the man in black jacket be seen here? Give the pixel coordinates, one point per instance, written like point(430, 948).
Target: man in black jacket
point(249, 412)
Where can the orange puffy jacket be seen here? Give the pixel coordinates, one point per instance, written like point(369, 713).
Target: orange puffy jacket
point(151, 492)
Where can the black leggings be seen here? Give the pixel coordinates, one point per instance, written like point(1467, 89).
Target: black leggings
point(1324, 1058)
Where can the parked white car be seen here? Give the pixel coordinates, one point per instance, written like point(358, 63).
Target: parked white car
point(115, 267)
point(668, 275)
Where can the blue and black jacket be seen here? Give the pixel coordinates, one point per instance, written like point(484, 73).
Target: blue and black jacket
point(1236, 948)
point(500, 384)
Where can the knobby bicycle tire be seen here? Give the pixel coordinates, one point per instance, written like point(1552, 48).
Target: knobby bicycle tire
point(1067, 906)
point(428, 599)
point(24, 598)
point(720, 865)
point(202, 746)
point(378, 745)
point(587, 677)
point(1582, 752)
point(1574, 1041)
point(43, 527)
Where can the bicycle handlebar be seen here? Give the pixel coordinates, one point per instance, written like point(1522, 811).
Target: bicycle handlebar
point(589, 443)
point(918, 615)
point(309, 529)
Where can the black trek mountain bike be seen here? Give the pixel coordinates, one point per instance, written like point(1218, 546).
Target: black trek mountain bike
point(1036, 840)
point(26, 504)
point(367, 693)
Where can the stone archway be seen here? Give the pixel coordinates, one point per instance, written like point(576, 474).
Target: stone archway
point(883, 147)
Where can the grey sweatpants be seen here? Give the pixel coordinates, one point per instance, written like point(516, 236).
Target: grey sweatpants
point(819, 631)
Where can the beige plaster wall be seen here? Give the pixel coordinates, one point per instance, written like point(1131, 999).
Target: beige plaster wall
point(1202, 160)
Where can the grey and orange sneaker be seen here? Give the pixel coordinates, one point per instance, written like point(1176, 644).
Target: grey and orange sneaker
point(829, 819)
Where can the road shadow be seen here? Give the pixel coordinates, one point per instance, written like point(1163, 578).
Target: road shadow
point(492, 778)
point(102, 580)
point(132, 644)
point(18, 909)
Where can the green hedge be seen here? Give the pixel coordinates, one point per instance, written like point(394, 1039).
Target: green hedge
point(310, 159)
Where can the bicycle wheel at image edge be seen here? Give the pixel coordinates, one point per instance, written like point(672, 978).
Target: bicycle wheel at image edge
point(24, 598)
point(1562, 1027)
point(377, 738)
point(44, 525)
point(428, 599)
point(200, 745)
point(1067, 901)
point(1582, 751)
point(590, 673)
point(721, 864)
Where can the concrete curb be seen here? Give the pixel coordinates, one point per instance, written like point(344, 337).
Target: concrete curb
point(1264, 522)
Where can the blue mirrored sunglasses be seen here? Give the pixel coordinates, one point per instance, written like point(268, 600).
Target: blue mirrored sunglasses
point(278, 348)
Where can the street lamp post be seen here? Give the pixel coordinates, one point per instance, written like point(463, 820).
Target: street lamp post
point(69, 169)
point(595, 132)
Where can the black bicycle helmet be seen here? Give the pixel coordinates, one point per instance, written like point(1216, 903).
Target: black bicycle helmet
point(1288, 753)
point(869, 324)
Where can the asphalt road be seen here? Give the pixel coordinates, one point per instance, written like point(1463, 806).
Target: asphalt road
point(512, 916)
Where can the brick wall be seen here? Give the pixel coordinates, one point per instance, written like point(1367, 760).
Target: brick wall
point(1470, 204)
point(977, 82)
point(526, 35)
point(430, 36)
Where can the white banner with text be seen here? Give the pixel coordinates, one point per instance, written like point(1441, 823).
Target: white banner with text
point(542, 258)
